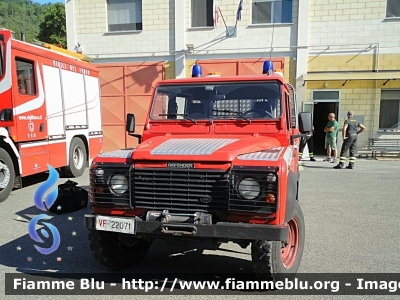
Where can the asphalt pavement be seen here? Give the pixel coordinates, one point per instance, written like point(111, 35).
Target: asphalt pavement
point(351, 216)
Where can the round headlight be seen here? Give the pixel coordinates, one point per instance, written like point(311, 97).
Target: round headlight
point(118, 184)
point(249, 188)
point(271, 177)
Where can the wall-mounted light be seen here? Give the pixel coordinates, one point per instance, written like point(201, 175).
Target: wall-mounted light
point(326, 84)
point(190, 48)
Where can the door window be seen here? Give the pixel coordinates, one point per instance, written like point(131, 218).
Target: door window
point(26, 77)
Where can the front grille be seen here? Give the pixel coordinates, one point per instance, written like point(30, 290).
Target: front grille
point(99, 185)
point(181, 190)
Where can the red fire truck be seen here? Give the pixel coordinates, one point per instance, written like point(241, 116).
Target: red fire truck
point(50, 112)
point(218, 160)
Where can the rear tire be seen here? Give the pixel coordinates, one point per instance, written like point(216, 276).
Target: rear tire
point(273, 260)
point(77, 159)
point(7, 175)
point(117, 251)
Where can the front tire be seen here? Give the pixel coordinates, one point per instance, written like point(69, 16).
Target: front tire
point(77, 159)
point(276, 260)
point(7, 175)
point(117, 251)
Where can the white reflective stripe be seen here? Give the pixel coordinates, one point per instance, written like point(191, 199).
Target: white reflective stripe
point(191, 146)
point(269, 154)
point(117, 154)
point(5, 84)
point(35, 144)
point(288, 157)
point(34, 103)
point(4, 133)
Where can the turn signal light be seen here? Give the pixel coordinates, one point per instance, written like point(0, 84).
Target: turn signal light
point(270, 198)
point(213, 74)
point(100, 190)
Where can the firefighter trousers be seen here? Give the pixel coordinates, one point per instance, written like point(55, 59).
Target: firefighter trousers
point(310, 142)
point(349, 144)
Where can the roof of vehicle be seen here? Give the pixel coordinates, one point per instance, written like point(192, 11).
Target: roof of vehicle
point(205, 79)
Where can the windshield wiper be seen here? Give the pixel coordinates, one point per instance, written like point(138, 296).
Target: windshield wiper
point(238, 113)
point(185, 116)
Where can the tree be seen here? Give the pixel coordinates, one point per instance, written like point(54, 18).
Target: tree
point(21, 16)
point(52, 29)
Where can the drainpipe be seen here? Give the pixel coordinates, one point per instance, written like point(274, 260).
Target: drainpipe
point(376, 91)
point(373, 117)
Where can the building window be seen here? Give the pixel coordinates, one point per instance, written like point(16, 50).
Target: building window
point(327, 96)
point(389, 113)
point(393, 9)
point(26, 77)
point(202, 13)
point(124, 15)
point(271, 11)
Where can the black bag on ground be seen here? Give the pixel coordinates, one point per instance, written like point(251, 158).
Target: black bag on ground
point(70, 198)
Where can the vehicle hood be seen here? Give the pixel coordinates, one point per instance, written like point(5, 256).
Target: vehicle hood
point(201, 148)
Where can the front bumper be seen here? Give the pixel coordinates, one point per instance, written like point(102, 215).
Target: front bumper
point(228, 231)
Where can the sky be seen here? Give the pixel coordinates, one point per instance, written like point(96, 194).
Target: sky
point(47, 1)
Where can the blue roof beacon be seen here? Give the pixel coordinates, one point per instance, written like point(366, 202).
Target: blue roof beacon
point(268, 67)
point(196, 71)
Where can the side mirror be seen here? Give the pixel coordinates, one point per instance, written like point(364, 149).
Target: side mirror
point(305, 125)
point(305, 122)
point(130, 127)
point(130, 123)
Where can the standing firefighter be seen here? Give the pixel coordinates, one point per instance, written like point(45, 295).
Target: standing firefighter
point(351, 129)
point(308, 139)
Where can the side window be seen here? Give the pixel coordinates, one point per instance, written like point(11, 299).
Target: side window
point(288, 113)
point(161, 107)
point(26, 77)
point(392, 9)
point(389, 112)
point(293, 111)
point(202, 13)
point(124, 15)
point(271, 11)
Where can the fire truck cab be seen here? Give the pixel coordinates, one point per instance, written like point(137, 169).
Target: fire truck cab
point(50, 112)
point(218, 160)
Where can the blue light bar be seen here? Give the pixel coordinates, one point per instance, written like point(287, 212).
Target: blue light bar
point(268, 67)
point(196, 71)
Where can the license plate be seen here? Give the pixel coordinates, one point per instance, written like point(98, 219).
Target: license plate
point(115, 224)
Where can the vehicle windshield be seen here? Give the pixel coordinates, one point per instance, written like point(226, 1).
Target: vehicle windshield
point(233, 100)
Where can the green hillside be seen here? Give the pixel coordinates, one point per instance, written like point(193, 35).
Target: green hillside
point(32, 19)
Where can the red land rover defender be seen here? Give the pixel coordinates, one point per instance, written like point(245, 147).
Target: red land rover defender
point(218, 160)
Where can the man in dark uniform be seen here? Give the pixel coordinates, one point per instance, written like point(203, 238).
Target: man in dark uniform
point(308, 139)
point(351, 129)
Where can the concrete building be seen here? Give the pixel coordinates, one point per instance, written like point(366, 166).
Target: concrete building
point(341, 55)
